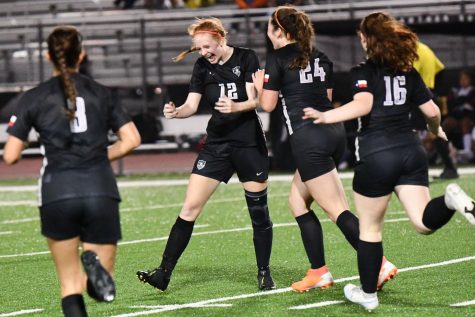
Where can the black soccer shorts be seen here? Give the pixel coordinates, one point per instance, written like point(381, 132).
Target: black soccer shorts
point(220, 160)
point(377, 174)
point(93, 219)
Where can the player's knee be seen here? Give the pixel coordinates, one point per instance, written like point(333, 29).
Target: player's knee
point(258, 210)
point(190, 212)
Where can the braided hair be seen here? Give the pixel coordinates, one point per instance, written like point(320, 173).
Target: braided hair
point(64, 48)
point(297, 26)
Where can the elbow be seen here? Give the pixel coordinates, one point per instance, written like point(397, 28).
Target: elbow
point(10, 159)
point(135, 141)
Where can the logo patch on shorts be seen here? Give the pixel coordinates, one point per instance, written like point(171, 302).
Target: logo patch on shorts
point(201, 164)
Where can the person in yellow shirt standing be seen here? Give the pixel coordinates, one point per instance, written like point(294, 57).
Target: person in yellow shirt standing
point(428, 65)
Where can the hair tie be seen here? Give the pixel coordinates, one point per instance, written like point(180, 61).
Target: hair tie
point(208, 32)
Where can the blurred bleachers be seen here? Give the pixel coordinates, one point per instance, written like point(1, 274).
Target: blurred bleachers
point(128, 48)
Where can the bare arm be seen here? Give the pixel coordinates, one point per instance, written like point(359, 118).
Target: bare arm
point(226, 105)
point(267, 98)
point(12, 150)
point(129, 139)
point(432, 115)
point(360, 106)
point(186, 110)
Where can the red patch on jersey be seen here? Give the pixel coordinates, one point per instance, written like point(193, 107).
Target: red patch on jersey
point(362, 84)
point(266, 78)
point(12, 121)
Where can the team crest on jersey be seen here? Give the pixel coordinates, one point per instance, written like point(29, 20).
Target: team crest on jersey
point(201, 164)
point(237, 71)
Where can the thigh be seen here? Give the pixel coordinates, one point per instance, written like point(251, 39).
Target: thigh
point(214, 161)
point(328, 192)
point(371, 212)
point(101, 221)
point(300, 199)
point(200, 189)
point(250, 164)
point(414, 199)
point(315, 149)
point(68, 268)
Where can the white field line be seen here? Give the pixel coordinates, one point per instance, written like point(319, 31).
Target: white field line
point(320, 304)
point(467, 303)
point(407, 269)
point(276, 225)
point(233, 180)
point(4, 233)
point(7, 203)
point(276, 291)
point(21, 312)
point(13, 221)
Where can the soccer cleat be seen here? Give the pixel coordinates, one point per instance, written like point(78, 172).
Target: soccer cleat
point(315, 278)
point(264, 280)
point(449, 173)
point(356, 295)
point(456, 199)
point(386, 273)
point(158, 278)
point(100, 284)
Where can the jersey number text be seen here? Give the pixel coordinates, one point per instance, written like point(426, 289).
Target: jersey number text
point(306, 75)
point(231, 90)
point(79, 123)
point(395, 91)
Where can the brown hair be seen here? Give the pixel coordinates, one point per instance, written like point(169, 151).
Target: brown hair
point(64, 48)
point(211, 26)
point(389, 42)
point(296, 25)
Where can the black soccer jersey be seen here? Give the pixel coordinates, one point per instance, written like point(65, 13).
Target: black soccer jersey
point(394, 94)
point(300, 88)
point(213, 81)
point(76, 163)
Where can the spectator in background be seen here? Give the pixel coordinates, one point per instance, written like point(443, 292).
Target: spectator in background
point(461, 116)
point(428, 66)
point(127, 4)
point(78, 198)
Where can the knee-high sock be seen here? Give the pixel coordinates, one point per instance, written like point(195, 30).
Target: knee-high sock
point(261, 225)
point(312, 238)
point(370, 255)
point(436, 214)
point(180, 235)
point(73, 306)
point(349, 225)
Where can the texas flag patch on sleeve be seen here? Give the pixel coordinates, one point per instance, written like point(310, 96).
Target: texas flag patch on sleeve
point(12, 121)
point(266, 78)
point(362, 84)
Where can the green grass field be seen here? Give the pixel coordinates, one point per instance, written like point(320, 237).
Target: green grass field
point(217, 274)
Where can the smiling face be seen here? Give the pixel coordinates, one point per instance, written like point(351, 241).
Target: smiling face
point(208, 47)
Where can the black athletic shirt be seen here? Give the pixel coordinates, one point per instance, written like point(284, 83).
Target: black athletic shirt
point(300, 88)
point(213, 81)
point(76, 163)
point(394, 94)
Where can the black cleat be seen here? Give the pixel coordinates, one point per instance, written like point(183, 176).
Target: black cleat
point(100, 284)
point(448, 173)
point(158, 278)
point(264, 280)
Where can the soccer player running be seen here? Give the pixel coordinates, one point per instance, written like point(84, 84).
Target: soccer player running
point(390, 154)
point(78, 195)
point(303, 75)
point(235, 143)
